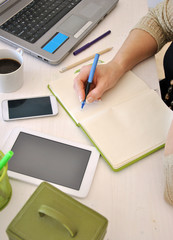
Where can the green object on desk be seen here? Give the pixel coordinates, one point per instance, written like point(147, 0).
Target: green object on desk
point(5, 159)
point(5, 186)
point(51, 214)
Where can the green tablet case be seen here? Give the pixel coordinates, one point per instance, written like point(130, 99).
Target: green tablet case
point(51, 214)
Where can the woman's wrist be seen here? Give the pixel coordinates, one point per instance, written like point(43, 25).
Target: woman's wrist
point(119, 66)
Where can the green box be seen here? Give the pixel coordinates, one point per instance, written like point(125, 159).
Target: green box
point(51, 214)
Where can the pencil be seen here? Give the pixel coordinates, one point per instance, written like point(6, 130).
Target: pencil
point(84, 60)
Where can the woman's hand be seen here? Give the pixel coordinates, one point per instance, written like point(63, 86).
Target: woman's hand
point(105, 77)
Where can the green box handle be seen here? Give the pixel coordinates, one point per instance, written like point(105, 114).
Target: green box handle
point(59, 217)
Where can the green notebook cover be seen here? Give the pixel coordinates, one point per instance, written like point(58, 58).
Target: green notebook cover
point(129, 123)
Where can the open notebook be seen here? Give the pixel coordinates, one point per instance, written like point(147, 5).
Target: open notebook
point(130, 122)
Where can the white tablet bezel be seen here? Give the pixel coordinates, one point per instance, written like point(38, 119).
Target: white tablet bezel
point(89, 172)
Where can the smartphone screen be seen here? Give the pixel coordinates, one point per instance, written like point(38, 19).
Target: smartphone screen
point(22, 108)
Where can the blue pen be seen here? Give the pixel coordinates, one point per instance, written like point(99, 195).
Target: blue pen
point(90, 78)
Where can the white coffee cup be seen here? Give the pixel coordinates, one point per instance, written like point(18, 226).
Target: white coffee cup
point(11, 80)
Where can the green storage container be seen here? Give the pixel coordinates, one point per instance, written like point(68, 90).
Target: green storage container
point(50, 214)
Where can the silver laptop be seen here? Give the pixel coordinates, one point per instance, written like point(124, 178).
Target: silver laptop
point(50, 29)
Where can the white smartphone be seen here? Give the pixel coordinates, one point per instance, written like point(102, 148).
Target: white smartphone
point(24, 108)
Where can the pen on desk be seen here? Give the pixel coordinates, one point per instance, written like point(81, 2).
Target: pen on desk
point(91, 43)
point(84, 60)
point(90, 78)
point(5, 159)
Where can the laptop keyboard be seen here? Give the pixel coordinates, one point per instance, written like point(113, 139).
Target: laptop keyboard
point(37, 18)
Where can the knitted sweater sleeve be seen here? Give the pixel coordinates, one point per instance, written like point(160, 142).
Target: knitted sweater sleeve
point(159, 23)
point(168, 166)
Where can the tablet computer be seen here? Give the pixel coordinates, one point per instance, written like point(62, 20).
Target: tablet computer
point(38, 157)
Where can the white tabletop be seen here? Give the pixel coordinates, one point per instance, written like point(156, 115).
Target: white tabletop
point(132, 199)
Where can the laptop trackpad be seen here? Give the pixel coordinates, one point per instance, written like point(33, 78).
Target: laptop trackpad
point(72, 24)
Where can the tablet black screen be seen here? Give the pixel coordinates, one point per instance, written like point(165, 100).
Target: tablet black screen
point(49, 160)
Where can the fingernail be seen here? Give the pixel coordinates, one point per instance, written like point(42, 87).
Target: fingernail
point(89, 100)
point(80, 98)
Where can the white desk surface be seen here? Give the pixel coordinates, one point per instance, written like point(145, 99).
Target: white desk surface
point(132, 199)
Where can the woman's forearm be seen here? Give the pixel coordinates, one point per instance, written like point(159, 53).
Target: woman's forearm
point(138, 46)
